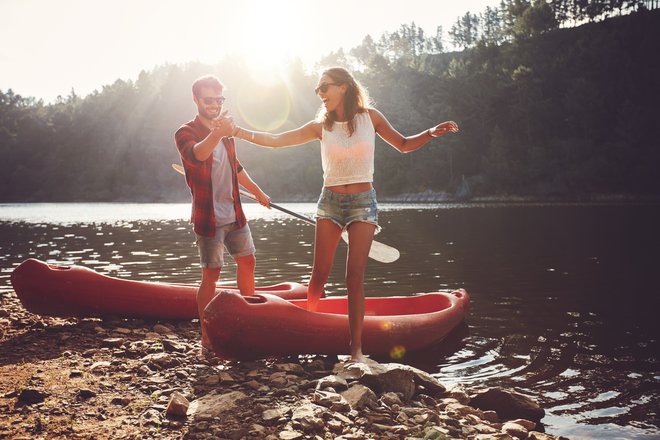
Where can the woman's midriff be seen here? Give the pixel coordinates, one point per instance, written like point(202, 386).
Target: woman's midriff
point(351, 188)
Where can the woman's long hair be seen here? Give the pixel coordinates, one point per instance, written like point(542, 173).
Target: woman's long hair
point(356, 99)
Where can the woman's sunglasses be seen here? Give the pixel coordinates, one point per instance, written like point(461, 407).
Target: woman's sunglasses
point(324, 87)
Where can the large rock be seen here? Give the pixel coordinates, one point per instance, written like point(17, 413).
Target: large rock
point(508, 404)
point(534, 435)
point(214, 404)
point(160, 360)
point(272, 415)
point(328, 399)
point(391, 377)
point(177, 406)
point(393, 380)
point(308, 416)
point(29, 396)
point(358, 396)
point(333, 381)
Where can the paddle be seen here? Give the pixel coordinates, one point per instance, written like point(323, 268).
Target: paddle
point(379, 251)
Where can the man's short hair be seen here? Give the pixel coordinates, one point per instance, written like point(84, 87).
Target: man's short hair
point(210, 81)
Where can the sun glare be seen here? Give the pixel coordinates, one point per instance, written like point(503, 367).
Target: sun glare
point(265, 107)
point(268, 38)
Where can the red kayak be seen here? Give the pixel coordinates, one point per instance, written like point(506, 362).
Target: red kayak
point(264, 325)
point(68, 291)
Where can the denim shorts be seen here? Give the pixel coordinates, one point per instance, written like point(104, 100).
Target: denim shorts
point(238, 242)
point(344, 209)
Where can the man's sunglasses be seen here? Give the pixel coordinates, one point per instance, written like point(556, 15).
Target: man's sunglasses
point(210, 100)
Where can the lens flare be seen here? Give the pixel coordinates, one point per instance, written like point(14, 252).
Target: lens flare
point(265, 107)
point(386, 325)
point(397, 352)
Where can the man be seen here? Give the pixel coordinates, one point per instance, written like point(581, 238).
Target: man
point(214, 174)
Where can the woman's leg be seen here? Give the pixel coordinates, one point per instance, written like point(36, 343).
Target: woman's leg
point(360, 236)
point(325, 245)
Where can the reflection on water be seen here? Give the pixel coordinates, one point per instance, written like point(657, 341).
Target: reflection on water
point(563, 297)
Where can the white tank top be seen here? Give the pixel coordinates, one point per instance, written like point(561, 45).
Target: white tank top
point(347, 159)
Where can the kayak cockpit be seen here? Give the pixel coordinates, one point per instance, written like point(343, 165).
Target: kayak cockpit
point(385, 306)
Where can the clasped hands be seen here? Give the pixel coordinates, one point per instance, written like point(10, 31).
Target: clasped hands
point(224, 124)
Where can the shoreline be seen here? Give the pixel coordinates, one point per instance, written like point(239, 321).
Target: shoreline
point(132, 378)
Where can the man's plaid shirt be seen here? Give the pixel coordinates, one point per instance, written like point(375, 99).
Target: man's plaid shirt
point(198, 177)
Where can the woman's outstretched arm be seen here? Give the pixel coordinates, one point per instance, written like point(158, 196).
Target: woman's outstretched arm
point(406, 144)
point(301, 135)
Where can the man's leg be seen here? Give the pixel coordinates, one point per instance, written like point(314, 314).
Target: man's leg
point(240, 245)
point(245, 274)
point(205, 294)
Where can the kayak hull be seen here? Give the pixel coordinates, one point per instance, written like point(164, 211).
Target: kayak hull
point(76, 291)
point(263, 326)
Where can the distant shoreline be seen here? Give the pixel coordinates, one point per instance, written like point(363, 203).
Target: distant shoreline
point(439, 197)
point(412, 198)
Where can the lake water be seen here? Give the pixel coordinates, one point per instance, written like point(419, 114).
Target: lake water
point(564, 297)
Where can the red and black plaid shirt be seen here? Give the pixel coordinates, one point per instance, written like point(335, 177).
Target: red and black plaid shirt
point(198, 176)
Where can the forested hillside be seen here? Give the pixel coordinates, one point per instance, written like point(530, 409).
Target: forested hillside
point(544, 109)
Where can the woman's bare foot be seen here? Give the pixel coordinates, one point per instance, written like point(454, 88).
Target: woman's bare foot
point(357, 358)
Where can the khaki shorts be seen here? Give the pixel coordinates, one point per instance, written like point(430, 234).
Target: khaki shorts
point(238, 242)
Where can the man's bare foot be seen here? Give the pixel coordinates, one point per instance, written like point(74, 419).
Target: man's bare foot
point(206, 351)
point(207, 354)
point(206, 342)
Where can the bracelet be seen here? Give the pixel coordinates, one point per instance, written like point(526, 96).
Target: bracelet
point(252, 136)
point(430, 133)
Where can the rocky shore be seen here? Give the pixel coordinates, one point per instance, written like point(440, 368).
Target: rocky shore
point(134, 379)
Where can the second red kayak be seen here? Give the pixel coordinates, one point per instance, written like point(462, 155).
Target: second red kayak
point(76, 291)
point(263, 325)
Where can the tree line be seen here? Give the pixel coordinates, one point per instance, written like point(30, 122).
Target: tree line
point(545, 109)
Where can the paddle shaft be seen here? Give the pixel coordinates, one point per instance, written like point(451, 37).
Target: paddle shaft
point(280, 208)
point(244, 193)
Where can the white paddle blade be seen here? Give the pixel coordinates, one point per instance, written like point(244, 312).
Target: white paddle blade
point(379, 251)
point(383, 253)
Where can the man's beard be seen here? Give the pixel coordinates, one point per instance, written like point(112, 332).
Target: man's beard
point(208, 115)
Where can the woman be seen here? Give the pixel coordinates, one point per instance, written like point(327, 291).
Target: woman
point(346, 126)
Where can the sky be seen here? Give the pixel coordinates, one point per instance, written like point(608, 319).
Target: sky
point(50, 47)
